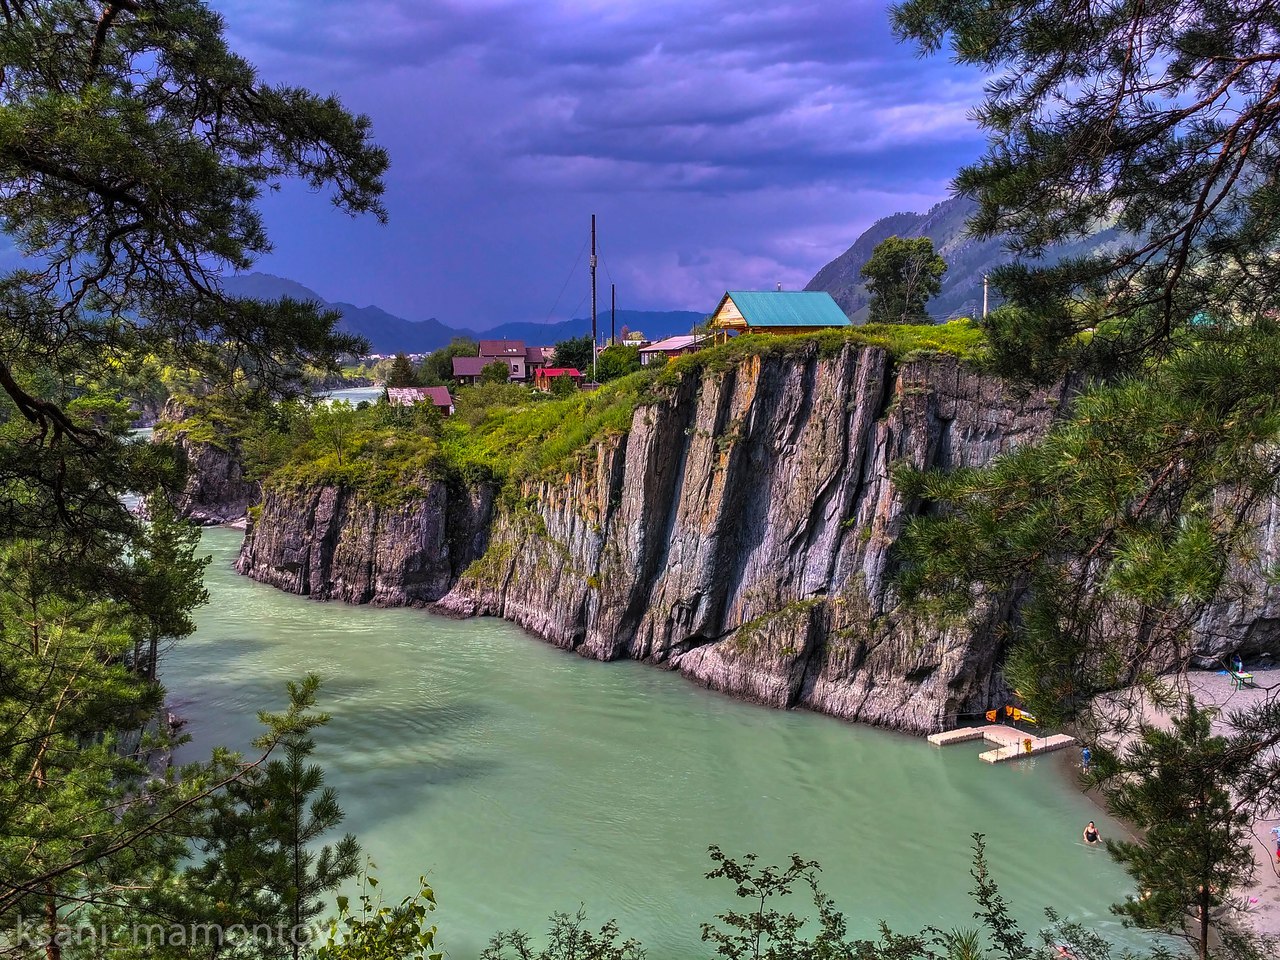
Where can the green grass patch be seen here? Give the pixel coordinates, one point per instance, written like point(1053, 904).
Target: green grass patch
point(540, 435)
point(508, 433)
point(962, 339)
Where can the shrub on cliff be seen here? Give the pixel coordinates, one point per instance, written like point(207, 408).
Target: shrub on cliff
point(505, 432)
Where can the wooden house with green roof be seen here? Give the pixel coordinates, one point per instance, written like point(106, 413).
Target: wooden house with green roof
point(776, 311)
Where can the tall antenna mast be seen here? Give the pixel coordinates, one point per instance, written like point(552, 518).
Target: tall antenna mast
point(593, 298)
point(613, 313)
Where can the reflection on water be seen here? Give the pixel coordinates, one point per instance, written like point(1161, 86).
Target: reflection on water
point(353, 395)
point(523, 780)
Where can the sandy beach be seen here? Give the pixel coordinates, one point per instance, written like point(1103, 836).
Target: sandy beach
point(1257, 905)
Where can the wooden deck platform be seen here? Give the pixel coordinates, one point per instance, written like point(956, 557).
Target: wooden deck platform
point(1010, 744)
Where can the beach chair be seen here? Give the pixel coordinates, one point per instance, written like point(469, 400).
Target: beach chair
point(1241, 679)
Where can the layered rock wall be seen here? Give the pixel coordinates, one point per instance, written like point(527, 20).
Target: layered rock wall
point(333, 544)
point(740, 533)
point(216, 489)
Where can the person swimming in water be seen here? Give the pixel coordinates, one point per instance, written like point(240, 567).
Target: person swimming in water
point(1091, 835)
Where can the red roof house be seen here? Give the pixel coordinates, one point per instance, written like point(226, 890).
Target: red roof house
point(438, 397)
point(542, 378)
point(467, 369)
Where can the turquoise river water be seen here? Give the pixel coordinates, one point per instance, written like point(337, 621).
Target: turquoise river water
point(522, 780)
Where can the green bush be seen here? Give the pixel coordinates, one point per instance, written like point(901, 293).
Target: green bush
point(506, 432)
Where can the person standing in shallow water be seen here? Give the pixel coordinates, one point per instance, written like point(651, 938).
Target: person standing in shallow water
point(1091, 835)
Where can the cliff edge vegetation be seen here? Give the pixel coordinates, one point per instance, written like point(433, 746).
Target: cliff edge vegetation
point(502, 433)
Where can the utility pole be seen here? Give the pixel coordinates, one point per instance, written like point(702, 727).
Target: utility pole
point(613, 313)
point(593, 298)
point(984, 296)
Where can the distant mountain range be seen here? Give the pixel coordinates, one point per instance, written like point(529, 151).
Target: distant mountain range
point(945, 224)
point(388, 333)
point(967, 259)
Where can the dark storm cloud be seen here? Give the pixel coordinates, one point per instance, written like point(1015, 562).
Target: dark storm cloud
point(727, 144)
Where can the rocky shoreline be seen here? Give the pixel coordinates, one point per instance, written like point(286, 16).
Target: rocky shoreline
point(740, 532)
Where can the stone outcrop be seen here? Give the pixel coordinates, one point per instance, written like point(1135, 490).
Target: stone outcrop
point(1246, 618)
point(740, 533)
point(216, 489)
point(332, 544)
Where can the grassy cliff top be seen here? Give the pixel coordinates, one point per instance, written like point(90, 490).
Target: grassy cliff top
point(506, 433)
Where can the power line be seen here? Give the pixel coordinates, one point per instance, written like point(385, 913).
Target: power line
point(579, 306)
point(605, 263)
point(564, 286)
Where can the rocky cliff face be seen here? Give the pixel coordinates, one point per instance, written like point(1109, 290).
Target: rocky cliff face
point(216, 489)
point(332, 544)
point(1246, 619)
point(740, 533)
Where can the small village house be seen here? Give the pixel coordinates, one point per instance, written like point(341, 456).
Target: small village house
point(437, 397)
point(466, 370)
point(535, 358)
point(673, 347)
point(542, 377)
point(512, 352)
point(521, 360)
point(776, 311)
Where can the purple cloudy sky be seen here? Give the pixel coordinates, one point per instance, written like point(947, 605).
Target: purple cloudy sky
point(723, 144)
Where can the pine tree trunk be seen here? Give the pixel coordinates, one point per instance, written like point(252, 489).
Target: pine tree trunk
point(297, 869)
point(53, 949)
point(1204, 922)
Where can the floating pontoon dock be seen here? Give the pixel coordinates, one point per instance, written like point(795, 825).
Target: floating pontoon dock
point(1011, 744)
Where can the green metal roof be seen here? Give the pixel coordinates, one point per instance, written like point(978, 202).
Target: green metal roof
point(788, 308)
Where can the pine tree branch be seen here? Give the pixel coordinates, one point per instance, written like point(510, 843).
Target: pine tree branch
point(109, 14)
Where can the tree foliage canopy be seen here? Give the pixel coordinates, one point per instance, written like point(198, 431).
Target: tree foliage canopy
point(617, 360)
point(1120, 528)
point(402, 373)
point(495, 371)
point(1142, 508)
point(134, 146)
point(1186, 790)
point(437, 368)
point(902, 274)
point(1161, 118)
point(575, 352)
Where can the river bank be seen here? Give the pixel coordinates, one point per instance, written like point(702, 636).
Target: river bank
point(1256, 905)
point(523, 780)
